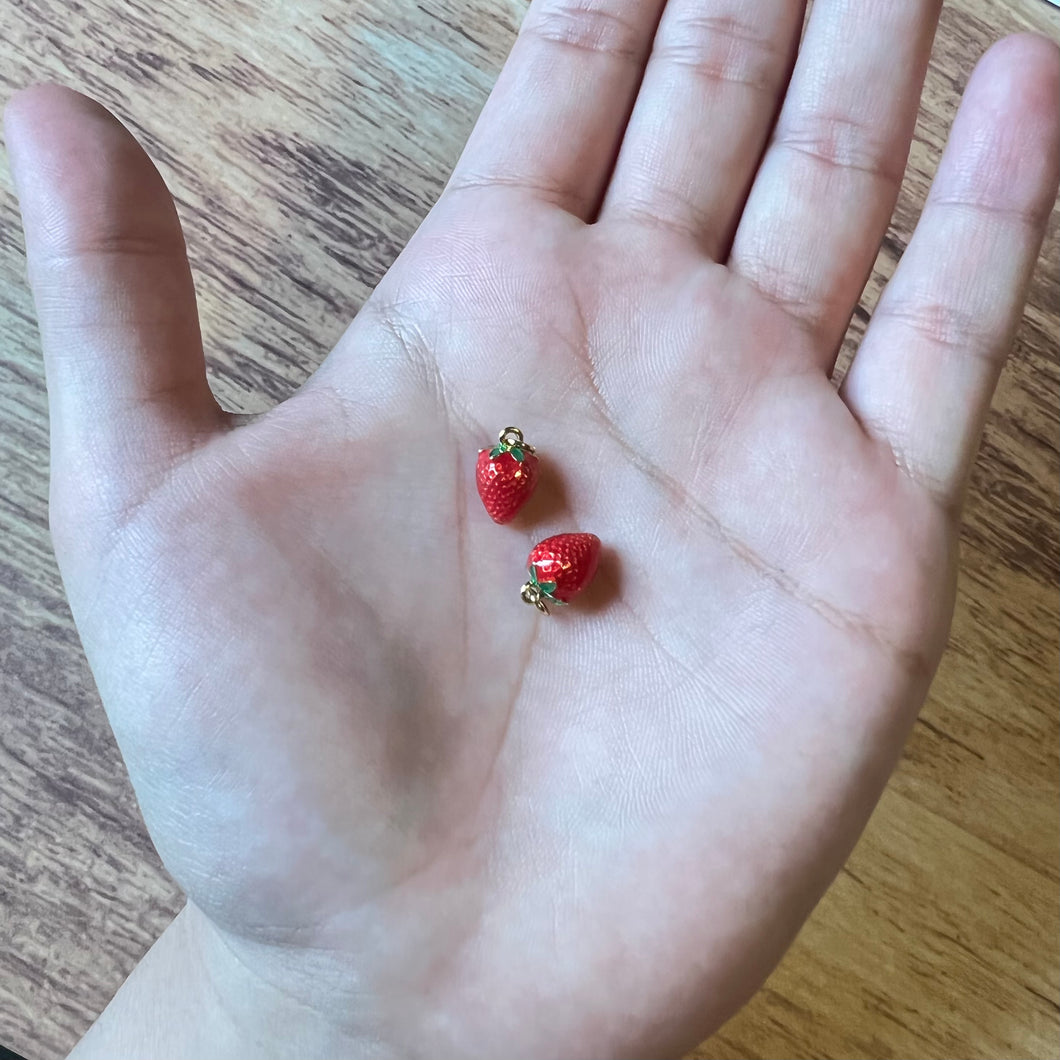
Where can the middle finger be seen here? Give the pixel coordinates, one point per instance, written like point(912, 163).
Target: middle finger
point(709, 96)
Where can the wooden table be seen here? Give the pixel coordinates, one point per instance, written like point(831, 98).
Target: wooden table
point(303, 142)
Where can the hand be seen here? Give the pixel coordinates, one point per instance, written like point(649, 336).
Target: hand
point(407, 810)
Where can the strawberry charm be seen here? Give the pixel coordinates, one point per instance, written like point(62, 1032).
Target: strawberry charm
point(506, 475)
point(560, 567)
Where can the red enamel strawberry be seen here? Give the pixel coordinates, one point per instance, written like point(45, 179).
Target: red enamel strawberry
point(560, 567)
point(506, 475)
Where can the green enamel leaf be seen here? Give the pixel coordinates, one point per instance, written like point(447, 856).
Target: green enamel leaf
point(547, 587)
point(533, 575)
point(517, 453)
point(496, 451)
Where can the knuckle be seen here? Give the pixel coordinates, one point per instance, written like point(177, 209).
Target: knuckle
point(666, 209)
point(845, 142)
point(588, 26)
point(941, 325)
point(721, 48)
point(790, 286)
point(993, 207)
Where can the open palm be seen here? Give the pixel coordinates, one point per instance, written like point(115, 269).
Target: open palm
point(374, 770)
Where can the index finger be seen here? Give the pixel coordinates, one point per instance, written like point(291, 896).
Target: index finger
point(555, 118)
point(923, 378)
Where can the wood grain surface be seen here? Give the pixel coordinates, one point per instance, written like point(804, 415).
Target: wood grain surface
point(303, 142)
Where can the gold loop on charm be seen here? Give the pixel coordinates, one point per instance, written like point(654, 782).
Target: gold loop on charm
point(512, 436)
point(531, 594)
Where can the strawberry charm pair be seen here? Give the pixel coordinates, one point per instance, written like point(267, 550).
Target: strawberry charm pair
point(561, 566)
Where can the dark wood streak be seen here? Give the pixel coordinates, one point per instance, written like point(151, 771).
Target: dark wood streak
point(303, 143)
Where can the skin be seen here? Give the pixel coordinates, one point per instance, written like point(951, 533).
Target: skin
point(413, 816)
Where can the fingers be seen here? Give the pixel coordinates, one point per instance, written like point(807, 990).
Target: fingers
point(552, 124)
point(824, 194)
point(111, 282)
point(924, 375)
point(705, 108)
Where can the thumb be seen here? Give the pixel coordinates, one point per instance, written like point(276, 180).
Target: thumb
point(127, 387)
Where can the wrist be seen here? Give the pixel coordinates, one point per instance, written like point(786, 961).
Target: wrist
point(196, 994)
